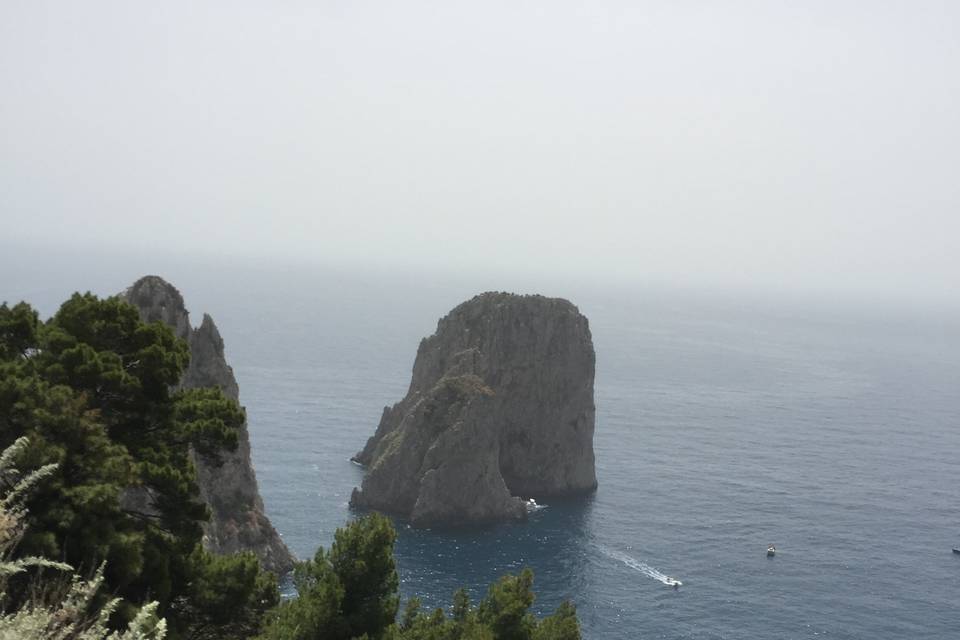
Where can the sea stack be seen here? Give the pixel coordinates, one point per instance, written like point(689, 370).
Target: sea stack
point(500, 409)
point(237, 521)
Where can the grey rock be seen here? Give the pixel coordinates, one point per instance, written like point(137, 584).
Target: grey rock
point(237, 522)
point(500, 407)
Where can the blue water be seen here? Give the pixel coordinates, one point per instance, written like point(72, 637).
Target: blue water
point(723, 424)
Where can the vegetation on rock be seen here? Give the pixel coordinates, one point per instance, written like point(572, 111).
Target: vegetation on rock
point(94, 390)
point(500, 407)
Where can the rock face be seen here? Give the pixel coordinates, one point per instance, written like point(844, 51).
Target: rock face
point(500, 407)
point(238, 522)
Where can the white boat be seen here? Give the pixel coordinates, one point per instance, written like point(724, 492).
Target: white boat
point(532, 505)
point(673, 582)
point(771, 550)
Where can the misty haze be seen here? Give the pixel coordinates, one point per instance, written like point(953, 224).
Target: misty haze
point(537, 320)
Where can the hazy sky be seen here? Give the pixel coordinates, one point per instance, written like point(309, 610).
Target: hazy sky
point(795, 144)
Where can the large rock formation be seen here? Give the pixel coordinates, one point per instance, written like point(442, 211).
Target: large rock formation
point(238, 522)
point(500, 407)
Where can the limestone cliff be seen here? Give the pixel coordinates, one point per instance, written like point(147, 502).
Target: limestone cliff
point(237, 521)
point(500, 406)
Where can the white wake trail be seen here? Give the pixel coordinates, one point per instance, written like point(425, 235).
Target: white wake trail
point(642, 567)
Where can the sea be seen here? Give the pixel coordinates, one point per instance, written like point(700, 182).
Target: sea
point(726, 421)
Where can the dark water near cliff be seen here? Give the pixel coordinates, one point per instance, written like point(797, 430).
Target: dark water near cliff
point(722, 424)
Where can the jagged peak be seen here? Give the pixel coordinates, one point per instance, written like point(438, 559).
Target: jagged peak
point(207, 325)
point(230, 488)
point(160, 301)
point(156, 288)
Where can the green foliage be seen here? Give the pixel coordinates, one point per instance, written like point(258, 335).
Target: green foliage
point(18, 330)
point(411, 613)
point(362, 559)
point(74, 615)
point(461, 606)
point(351, 592)
point(315, 613)
point(77, 616)
point(15, 487)
point(503, 614)
point(506, 608)
point(208, 419)
point(346, 593)
point(562, 625)
point(95, 390)
point(227, 596)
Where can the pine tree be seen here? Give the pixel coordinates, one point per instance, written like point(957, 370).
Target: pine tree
point(95, 389)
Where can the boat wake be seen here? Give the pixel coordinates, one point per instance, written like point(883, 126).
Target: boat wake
point(642, 567)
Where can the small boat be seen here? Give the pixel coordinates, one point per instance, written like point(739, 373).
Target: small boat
point(956, 551)
point(532, 505)
point(673, 582)
point(771, 550)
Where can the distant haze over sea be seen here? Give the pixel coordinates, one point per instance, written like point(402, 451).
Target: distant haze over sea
point(725, 421)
